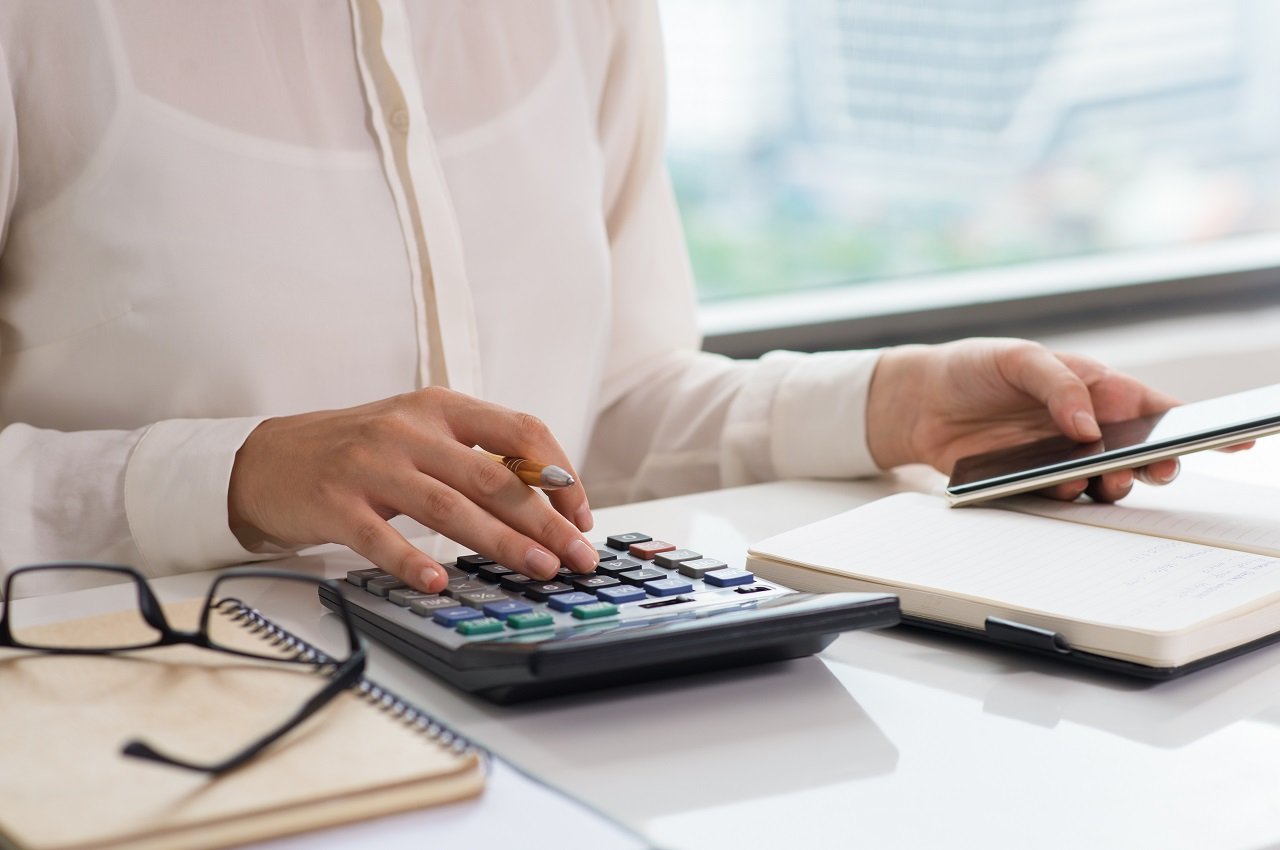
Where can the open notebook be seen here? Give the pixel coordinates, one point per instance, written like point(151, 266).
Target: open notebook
point(65, 786)
point(1139, 601)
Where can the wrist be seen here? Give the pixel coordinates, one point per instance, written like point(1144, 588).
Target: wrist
point(894, 402)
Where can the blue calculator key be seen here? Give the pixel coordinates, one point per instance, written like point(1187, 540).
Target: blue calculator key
point(504, 609)
point(620, 593)
point(668, 587)
point(568, 601)
point(450, 617)
point(729, 578)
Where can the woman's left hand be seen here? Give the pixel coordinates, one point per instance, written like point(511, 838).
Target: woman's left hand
point(937, 404)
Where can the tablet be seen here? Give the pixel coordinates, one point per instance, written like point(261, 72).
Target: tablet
point(1213, 423)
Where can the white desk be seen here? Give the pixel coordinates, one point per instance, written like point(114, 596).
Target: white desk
point(888, 739)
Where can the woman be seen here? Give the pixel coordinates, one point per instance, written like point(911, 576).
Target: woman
point(271, 270)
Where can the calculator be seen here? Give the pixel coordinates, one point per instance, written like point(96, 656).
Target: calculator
point(651, 609)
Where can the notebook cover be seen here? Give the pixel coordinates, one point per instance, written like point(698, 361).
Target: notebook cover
point(64, 718)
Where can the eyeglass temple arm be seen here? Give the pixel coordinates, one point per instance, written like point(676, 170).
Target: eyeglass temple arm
point(346, 675)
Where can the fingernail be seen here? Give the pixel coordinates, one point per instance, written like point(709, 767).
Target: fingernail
point(541, 563)
point(582, 557)
point(429, 575)
point(1086, 425)
point(583, 519)
point(1124, 480)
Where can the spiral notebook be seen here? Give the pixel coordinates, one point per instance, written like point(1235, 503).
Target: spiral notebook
point(64, 784)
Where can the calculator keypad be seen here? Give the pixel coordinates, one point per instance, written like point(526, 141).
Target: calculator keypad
point(638, 578)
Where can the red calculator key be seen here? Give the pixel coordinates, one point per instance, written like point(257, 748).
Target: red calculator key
point(648, 548)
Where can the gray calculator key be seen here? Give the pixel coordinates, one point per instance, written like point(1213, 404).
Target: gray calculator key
point(700, 567)
point(428, 605)
point(360, 577)
point(481, 598)
point(457, 587)
point(675, 557)
point(383, 586)
point(402, 596)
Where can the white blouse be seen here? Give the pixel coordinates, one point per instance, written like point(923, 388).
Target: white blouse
point(218, 211)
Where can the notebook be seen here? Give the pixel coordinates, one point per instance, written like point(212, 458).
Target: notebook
point(1137, 601)
point(64, 784)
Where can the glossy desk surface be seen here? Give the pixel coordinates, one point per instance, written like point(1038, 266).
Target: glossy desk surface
point(888, 739)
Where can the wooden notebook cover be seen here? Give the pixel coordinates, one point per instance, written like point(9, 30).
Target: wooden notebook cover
point(63, 720)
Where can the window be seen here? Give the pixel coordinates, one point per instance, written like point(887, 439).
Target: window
point(836, 145)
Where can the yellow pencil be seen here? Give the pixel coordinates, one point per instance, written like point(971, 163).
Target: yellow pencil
point(541, 475)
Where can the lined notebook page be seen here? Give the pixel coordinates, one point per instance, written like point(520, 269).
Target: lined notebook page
point(1061, 569)
point(1195, 508)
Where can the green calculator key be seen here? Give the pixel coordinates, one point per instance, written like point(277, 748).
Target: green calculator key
point(532, 620)
point(594, 610)
point(480, 626)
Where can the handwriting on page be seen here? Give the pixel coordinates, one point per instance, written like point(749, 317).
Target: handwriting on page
point(1062, 569)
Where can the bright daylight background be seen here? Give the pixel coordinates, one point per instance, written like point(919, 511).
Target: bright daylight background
point(826, 142)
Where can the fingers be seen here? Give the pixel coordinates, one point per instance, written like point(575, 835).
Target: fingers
point(371, 536)
point(1042, 375)
point(1159, 473)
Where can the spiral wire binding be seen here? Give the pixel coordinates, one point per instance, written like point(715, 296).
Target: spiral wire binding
point(371, 692)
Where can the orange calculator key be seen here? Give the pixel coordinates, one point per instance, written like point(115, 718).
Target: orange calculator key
point(649, 548)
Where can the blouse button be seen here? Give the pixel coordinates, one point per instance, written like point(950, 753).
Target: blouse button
point(400, 120)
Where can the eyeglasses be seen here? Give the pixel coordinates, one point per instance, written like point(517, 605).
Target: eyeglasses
point(152, 629)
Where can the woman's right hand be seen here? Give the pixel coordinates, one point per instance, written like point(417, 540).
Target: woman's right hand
point(337, 477)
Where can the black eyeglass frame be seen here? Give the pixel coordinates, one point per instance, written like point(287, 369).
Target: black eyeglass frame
point(345, 672)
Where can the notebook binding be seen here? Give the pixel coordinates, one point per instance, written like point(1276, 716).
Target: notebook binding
point(371, 692)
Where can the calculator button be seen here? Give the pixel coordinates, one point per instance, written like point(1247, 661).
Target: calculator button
point(700, 567)
point(450, 617)
point(453, 572)
point(595, 610)
point(504, 609)
point(431, 604)
point(492, 572)
point(618, 565)
point(640, 576)
point(605, 554)
point(481, 598)
point(593, 583)
point(729, 578)
point(646, 550)
point(482, 626)
point(471, 563)
point(457, 587)
point(568, 601)
point(515, 582)
point(404, 595)
point(622, 541)
point(359, 577)
point(532, 620)
point(544, 590)
point(621, 593)
point(675, 557)
point(668, 587)
point(383, 586)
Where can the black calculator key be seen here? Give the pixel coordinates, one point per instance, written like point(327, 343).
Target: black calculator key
point(383, 586)
point(453, 572)
point(402, 596)
point(457, 587)
point(481, 598)
point(622, 541)
point(515, 582)
point(471, 563)
point(640, 576)
point(668, 587)
point(492, 572)
point(359, 577)
point(593, 583)
point(429, 605)
point(618, 565)
point(700, 567)
point(605, 554)
point(675, 557)
point(544, 590)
